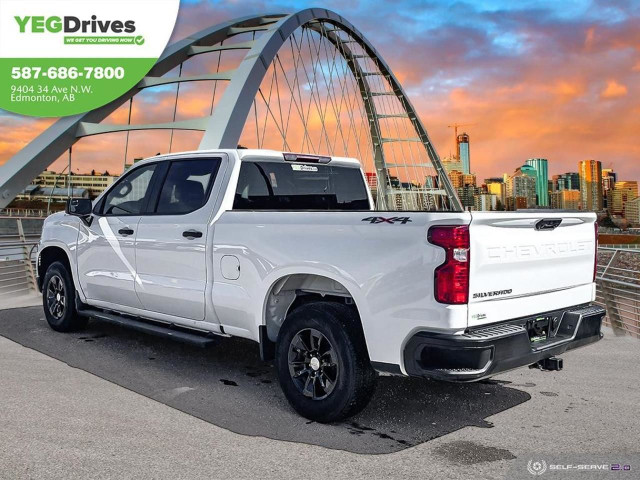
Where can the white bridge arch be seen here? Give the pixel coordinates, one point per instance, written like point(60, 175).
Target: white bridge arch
point(405, 169)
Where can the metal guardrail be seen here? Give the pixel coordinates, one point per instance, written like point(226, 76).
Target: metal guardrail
point(618, 288)
point(623, 246)
point(18, 254)
point(23, 212)
point(17, 269)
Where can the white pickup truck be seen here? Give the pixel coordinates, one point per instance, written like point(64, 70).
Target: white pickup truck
point(287, 250)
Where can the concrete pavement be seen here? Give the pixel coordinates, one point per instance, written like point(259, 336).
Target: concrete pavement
point(244, 391)
point(26, 300)
point(58, 421)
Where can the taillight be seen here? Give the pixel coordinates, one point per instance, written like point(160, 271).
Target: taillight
point(452, 277)
point(595, 257)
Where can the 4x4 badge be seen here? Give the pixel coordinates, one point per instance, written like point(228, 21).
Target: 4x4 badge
point(392, 220)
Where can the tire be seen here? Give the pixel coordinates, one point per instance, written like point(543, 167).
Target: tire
point(59, 300)
point(322, 362)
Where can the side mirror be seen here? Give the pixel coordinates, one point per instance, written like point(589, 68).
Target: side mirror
point(80, 207)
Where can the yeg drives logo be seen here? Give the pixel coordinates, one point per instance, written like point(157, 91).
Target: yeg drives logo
point(71, 24)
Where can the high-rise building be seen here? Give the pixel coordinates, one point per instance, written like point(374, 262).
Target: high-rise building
point(622, 193)
point(466, 195)
point(609, 179)
point(485, 202)
point(469, 179)
point(632, 212)
point(493, 180)
point(590, 172)
point(541, 166)
point(565, 199)
point(527, 170)
point(566, 181)
point(496, 186)
point(522, 185)
point(516, 203)
point(571, 199)
point(456, 178)
point(464, 154)
point(452, 163)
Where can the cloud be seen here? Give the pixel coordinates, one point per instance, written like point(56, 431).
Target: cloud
point(589, 38)
point(614, 90)
point(16, 131)
point(568, 89)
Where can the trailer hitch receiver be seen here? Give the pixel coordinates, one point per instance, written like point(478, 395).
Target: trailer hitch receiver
point(554, 364)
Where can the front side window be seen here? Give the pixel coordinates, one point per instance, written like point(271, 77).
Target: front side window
point(130, 194)
point(187, 185)
point(294, 186)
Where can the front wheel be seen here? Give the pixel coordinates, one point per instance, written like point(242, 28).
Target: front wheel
point(322, 361)
point(59, 300)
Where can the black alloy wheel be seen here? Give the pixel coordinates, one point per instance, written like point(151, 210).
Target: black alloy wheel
point(313, 364)
point(56, 299)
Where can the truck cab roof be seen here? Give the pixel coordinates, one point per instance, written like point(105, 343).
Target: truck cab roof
point(251, 154)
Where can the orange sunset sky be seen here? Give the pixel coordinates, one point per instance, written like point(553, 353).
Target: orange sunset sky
point(559, 80)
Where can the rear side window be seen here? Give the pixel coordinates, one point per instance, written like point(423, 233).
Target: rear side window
point(294, 186)
point(187, 186)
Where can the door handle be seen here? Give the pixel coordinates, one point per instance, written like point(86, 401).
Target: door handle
point(125, 231)
point(191, 234)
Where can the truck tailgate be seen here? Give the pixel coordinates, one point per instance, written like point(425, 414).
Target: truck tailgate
point(522, 264)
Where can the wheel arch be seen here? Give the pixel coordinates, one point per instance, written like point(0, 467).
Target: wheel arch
point(291, 290)
point(50, 254)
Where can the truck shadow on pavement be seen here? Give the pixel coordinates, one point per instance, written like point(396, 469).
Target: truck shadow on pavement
point(228, 386)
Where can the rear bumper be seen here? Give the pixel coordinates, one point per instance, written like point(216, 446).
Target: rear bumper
point(487, 351)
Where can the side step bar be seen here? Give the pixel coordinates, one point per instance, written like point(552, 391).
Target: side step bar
point(178, 334)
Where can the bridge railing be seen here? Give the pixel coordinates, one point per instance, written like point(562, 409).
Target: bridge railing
point(17, 269)
point(624, 246)
point(618, 288)
point(18, 249)
point(23, 212)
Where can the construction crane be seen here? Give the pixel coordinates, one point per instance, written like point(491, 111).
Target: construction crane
point(455, 131)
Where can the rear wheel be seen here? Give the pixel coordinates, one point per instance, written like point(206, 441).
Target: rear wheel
point(322, 361)
point(59, 300)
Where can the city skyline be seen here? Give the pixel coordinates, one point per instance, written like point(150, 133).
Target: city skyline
point(551, 171)
point(590, 188)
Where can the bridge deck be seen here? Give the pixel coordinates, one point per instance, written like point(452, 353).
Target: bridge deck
point(66, 414)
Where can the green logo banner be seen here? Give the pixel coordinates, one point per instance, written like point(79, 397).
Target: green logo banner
point(53, 87)
point(61, 58)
